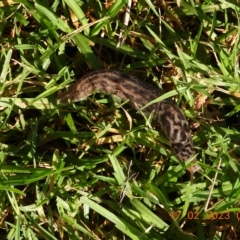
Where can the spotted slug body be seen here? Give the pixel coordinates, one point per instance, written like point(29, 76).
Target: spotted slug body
point(138, 93)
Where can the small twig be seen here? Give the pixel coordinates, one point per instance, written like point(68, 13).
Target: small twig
point(127, 181)
point(160, 23)
point(125, 23)
point(213, 183)
point(123, 191)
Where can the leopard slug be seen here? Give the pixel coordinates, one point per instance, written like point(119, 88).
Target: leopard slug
point(138, 93)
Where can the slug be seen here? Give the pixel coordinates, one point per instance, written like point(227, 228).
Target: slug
point(138, 93)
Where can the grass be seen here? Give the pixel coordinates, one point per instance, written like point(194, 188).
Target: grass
point(95, 169)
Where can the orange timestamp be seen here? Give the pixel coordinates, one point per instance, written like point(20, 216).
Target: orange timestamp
point(194, 215)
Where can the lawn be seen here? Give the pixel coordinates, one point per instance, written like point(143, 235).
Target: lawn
point(97, 169)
